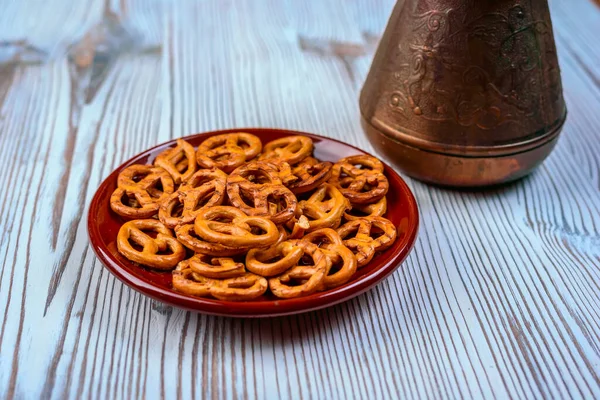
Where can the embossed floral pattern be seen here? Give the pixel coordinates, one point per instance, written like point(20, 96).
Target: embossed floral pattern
point(494, 82)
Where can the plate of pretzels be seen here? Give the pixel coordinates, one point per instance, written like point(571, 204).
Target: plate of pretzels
point(253, 222)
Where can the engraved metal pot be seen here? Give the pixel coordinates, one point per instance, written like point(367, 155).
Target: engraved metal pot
point(465, 92)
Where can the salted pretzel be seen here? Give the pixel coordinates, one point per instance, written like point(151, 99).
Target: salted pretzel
point(147, 247)
point(360, 237)
point(183, 281)
point(265, 196)
point(283, 235)
point(242, 288)
point(216, 267)
point(232, 227)
point(204, 177)
point(228, 151)
point(368, 210)
point(332, 246)
point(179, 161)
point(255, 173)
point(299, 227)
point(147, 177)
point(138, 193)
point(295, 230)
point(187, 236)
point(302, 280)
point(284, 171)
point(206, 188)
point(324, 208)
point(360, 179)
point(248, 231)
point(274, 260)
point(291, 149)
point(309, 174)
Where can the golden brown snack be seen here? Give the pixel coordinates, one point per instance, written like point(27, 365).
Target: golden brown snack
point(309, 174)
point(248, 230)
point(183, 281)
point(339, 255)
point(228, 151)
point(264, 196)
point(141, 189)
point(360, 179)
point(206, 188)
point(302, 280)
point(231, 227)
point(369, 210)
point(148, 248)
point(299, 226)
point(256, 173)
point(216, 267)
point(291, 149)
point(242, 288)
point(360, 236)
point(147, 177)
point(284, 171)
point(187, 236)
point(274, 260)
point(179, 162)
point(324, 208)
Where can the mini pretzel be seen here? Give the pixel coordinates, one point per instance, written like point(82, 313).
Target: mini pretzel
point(283, 235)
point(244, 287)
point(132, 204)
point(310, 173)
point(133, 231)
point(287, 253)
point(206, 188)
point(360, 179)
point(147, 177)
point(216, 267)
point(237, 231)
point(277, 203)
point(289, 246)
point(256, 173)
point(291, 149)
point(363, 243)
point(139, 184)
point(324, 208)
point(285, 172)
point(183, 281)
point(331, 245)
point(187, 236)
point(299, 226)
point(263, 194)
point(369, 210)
point(228, 151)
point(204, 177)
point(310, 277)
point(241, 288)
point(179, 161)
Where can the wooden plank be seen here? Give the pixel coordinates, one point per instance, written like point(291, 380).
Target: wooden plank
point(498, 299)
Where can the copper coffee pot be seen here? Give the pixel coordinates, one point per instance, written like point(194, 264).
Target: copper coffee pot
point(465, 92)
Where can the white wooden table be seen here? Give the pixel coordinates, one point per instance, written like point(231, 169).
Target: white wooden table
point(499, 299)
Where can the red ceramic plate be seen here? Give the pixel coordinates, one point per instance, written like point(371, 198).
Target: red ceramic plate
point(103, 226)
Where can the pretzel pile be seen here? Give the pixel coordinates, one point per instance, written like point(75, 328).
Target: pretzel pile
point(232, 219)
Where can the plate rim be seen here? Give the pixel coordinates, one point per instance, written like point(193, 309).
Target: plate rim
point(253, 309)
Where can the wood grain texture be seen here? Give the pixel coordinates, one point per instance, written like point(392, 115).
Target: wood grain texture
point(499, 299)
